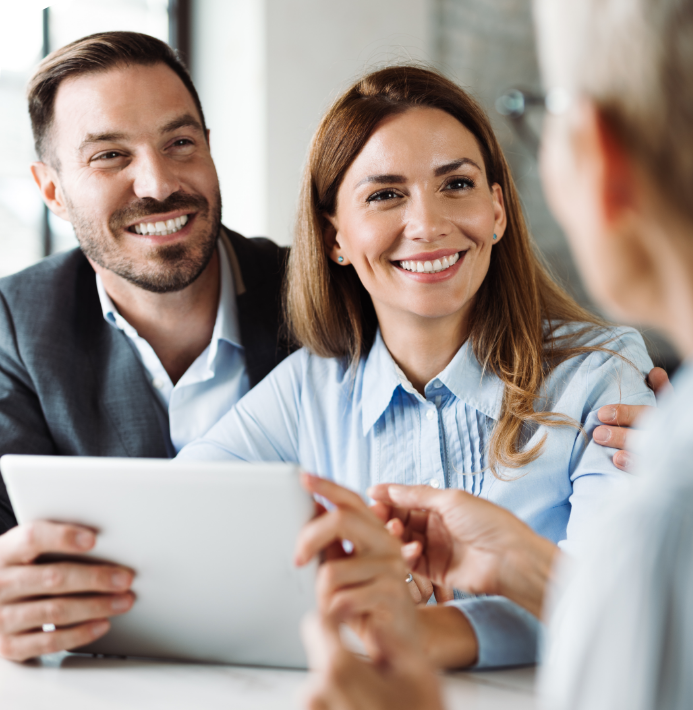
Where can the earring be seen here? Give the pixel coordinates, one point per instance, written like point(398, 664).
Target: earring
point(495, 236)
point(340, 259)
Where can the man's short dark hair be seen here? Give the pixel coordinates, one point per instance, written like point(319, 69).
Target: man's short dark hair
point(95, 53)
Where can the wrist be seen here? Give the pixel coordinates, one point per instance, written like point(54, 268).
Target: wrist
point(527, 571)
point(448, 639)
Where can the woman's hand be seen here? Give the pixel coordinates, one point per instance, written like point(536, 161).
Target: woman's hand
point(459, 540)
point(402, 679)
point(365, 588)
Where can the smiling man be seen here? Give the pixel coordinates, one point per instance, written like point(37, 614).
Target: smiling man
point(136, 343)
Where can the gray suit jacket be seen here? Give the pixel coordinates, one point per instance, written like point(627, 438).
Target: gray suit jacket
point(72, 385)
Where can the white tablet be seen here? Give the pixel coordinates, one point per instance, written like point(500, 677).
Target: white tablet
point(211, 544)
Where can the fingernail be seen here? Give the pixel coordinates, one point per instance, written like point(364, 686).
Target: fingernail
point(99, 628)
point(609, 414)
point(623, 460)
point(84, 540)
point(120, 580)
point(121, 603)
point(602, 434)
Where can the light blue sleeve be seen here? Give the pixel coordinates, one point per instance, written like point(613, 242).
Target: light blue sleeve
point(507, 634)
point(595, 480)
point(263, 426)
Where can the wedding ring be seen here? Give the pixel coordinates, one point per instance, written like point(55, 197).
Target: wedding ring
point(410, 578)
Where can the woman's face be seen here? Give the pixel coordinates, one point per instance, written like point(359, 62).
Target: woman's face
point(416, 217)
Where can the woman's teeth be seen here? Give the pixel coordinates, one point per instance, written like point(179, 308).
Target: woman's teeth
point(161, 229)
point(430, 267)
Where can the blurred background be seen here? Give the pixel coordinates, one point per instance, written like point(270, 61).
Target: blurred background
point(266, 70)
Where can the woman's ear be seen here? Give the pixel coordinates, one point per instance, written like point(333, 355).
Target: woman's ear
point(330, 235)
point(499, 216)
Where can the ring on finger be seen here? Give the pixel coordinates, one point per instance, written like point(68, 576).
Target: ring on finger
point(410, 578)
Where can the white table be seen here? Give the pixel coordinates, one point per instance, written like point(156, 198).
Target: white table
point(78, 682)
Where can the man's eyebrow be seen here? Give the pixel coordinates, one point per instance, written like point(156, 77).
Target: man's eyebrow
point(449, 167)
point(100, 138)
point(383, 180)
point(185, 121)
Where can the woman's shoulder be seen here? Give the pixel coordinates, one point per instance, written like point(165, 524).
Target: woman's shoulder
point(599, 351)
point(599, 341)
point(304, 366)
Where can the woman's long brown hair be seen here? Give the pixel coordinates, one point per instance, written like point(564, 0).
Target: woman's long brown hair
point(518, 307)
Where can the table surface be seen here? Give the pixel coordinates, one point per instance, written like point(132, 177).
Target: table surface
point(81, 682)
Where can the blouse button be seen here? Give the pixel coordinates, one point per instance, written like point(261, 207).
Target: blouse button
point(434, 483)
point(158, 383)
point(430, 414)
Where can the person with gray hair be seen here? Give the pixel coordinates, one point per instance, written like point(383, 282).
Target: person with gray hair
point(617, 167)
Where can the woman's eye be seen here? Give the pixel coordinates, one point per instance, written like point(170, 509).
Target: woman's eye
point(459, 184)
point(383, 195)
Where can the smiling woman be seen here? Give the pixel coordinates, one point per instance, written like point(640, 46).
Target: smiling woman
point(436, 348)
point(504, 300)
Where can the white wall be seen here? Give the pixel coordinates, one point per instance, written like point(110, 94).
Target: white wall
point(267, 69)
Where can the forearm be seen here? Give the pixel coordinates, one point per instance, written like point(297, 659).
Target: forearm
point(526, 572)
point(447, 637)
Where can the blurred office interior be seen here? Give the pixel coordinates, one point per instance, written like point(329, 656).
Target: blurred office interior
point(266, 70)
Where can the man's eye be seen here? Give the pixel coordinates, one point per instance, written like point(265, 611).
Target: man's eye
point(383, 195)
point(463, 183)
point(111, 155)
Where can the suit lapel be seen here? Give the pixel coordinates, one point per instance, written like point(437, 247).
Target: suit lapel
point(116, 379)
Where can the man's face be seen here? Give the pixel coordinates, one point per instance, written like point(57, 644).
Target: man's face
point(135, 175)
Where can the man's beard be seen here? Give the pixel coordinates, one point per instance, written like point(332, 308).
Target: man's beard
point(163, 269)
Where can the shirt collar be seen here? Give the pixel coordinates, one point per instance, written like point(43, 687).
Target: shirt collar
point(226, 324)
point(463, 377)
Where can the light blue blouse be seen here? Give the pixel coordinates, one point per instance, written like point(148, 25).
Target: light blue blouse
point(371, 426)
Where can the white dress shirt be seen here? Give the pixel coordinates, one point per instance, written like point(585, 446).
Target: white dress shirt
point(621, 633)
point(213, 383)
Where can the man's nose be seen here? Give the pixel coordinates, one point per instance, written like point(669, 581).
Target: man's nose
point(154, 176)
point(426, 219)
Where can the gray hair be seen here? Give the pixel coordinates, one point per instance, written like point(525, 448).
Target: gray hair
point(634, 60)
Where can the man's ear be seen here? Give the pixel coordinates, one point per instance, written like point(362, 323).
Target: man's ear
point(330, 235)
point(48, 183)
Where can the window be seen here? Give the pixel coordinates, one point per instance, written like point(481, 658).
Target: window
point(28, 231)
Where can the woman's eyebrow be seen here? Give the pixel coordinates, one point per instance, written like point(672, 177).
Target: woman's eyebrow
point(383, 179)
point(449, 167)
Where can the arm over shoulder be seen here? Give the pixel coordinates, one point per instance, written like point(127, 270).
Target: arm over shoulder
point(607, 379)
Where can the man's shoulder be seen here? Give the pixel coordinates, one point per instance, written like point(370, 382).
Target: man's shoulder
point(47, 279)
point(258, 258)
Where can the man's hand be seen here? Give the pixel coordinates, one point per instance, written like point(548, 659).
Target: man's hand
point(365, 588)
point(403, 678)
point(618, 419)
point(458, 540)
point(75, 598)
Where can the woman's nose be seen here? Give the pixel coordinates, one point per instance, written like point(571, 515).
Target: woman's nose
point(154, 177)
point(426, 220)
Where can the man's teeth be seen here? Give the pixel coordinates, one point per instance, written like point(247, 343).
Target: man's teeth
point(430, 267)
point(161, 229)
